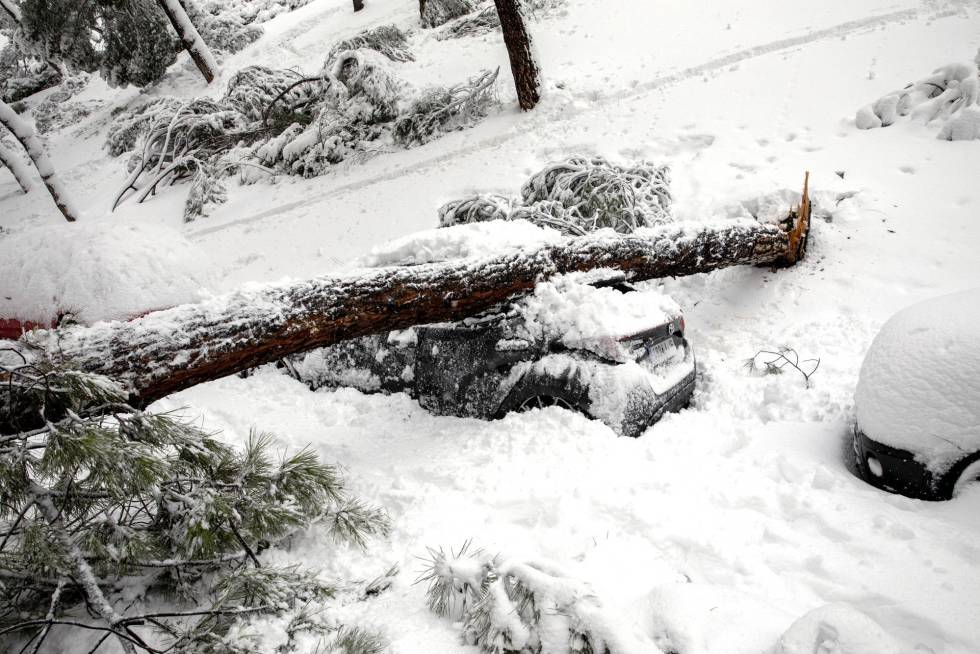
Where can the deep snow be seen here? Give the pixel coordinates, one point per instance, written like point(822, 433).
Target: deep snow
point(726, 524)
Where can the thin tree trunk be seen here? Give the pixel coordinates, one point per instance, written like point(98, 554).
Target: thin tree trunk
point(191, 38)
point(167, 351)
point(358, 5)
point(521, 53)
point(25, 134)
point(17, 167)
point(12, 9)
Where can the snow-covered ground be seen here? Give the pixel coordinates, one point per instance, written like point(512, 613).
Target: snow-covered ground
point(727, 522)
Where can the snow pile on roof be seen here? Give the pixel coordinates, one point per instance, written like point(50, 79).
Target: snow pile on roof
point(919, 388)
point(459, 242)
point(950, 94)
point(101, 270)
point(569, 310)
point(837, 628)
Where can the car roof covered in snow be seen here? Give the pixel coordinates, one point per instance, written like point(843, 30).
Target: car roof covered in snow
point(919, 388)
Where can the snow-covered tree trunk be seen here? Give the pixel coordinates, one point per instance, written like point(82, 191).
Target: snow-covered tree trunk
point(17, 168)
point(25, 134)
point(12, 10)
point(521, 54)
point(189, 36)
point(167, 351)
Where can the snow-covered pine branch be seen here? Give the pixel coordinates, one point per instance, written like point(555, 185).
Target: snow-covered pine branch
point(191, 39)
point(104, 504)
point(512, 606)
point(24, 134)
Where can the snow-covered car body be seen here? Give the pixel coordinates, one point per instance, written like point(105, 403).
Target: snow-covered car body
point(519, 357)
point(917, 428)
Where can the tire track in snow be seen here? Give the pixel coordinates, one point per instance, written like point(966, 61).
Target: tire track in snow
point(569, 114)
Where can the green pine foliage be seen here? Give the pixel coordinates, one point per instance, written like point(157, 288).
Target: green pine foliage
point(101, 503)
point(126, 41)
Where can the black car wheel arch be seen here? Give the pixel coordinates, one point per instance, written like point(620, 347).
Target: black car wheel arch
point(947, 486)
point(570, 392)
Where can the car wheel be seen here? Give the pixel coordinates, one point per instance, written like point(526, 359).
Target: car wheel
point(967, 478)
point(541, 401)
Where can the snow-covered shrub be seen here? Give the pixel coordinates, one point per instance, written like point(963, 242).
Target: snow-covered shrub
point(251, 11)
point(482, 22)
point(22, 75)
point(951, 94)
point(387, 39)
point(601, 194)
point(476, 209)
point(575, 197)
point(222, 30)
point(206, 189)
point(509, 606)
point(446, 108)
point(254, 89)
point(372, 90)
point(439, 12)
point(57, 112)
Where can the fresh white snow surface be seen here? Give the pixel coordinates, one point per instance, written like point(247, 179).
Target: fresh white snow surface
point(99, 270)
point(919, 388)
point(723, 528)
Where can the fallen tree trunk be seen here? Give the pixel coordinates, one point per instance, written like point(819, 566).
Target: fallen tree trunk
point(167, 351)
point(190, 38)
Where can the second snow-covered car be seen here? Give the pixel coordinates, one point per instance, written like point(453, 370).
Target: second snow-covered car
point(918, 400)
point(591, 344)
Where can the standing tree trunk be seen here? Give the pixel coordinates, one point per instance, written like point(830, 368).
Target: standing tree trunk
point(518, 43)
point(167, 351)
point(24, 133)
point(358, 5)
point(16, 166)
point(189, 36)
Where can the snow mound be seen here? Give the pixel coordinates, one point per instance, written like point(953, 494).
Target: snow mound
point(102, 270)
point(919, 389)
point(836, 629)
point(698, 618)
point(950, 94)
point(459, 242)
point(569, 310)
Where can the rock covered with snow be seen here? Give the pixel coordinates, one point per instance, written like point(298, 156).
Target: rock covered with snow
point(100, 270)
point(919, 388)
point(459, 242)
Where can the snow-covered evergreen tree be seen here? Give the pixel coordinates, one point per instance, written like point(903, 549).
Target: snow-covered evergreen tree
point(109, 513)
point(126, 41)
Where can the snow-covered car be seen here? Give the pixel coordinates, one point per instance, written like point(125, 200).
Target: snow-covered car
point(917, 429)
point(595, 345)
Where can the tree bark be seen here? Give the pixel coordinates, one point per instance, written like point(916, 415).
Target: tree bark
point(167, 351)
point(190, 38)
point(12, 10)
point(358, 5)
point(521, 54)
point(24, 134)
point(17, 168)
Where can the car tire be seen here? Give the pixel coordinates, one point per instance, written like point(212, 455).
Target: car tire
point(964, 474)
point(544, 393)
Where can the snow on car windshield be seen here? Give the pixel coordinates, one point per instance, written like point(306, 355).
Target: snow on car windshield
point(919, 389)
point(569, 310)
